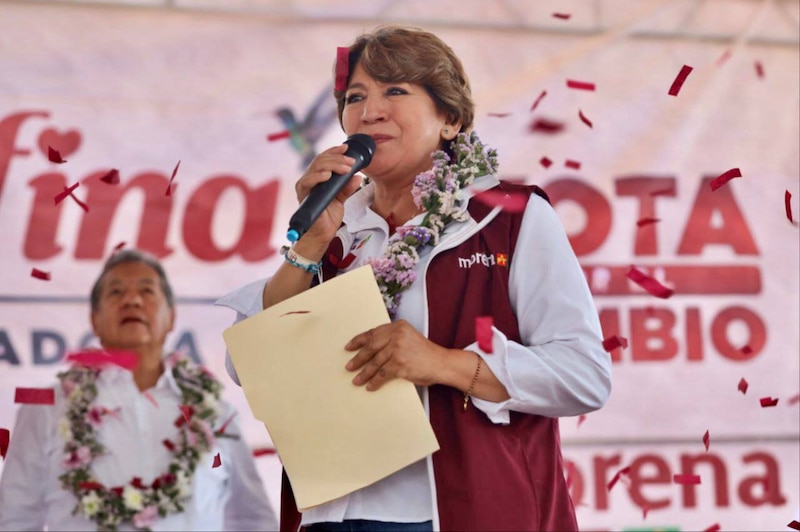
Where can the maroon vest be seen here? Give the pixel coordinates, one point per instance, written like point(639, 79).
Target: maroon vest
point(488, 476)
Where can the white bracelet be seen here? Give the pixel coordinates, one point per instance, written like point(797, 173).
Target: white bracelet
point(298, 261)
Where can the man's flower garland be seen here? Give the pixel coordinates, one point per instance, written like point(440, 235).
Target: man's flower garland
point(436, 192)
point(135, 502)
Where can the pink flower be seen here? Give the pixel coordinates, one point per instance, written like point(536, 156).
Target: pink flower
point(78, 458)
point(68, 385)
point(146, 517)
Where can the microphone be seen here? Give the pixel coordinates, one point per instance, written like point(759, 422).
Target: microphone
point(361, 147)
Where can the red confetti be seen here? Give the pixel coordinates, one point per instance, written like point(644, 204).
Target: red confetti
point(499, 115)
point(584, 119)
point(706, 440)
point(724, 57)
point(613, 481)
point(652, 286)
point(36, 273)
point(515, 202)
point(613, 342)
point(54, 156)
point(678, 83)
point(645, 221)
point(794, 524)
point(767, 402)
point(151, 398)
point(5, 437)
point(169, 185)
point(484, 333)
point(724, 178)
point(746, 350)
point(112, 177)
point(285, 134)
point(546, 126)
point(645, 510)
point(168, 444)
point(535, 103)
point(787, 201)
point(217, 461)
point(544, 161)
point(263, 451)
point(713, 528)
point(581, 419)
point(99, 359)
point(220, 431)
point(342, 68)
point(118, 247)
point(580, 85)
point(562, 16)
point(66, 192)
point(575, 165)
point(35, 396)
point(742, 386)
point(759, 69)
point(686, 479)
point(793, 400)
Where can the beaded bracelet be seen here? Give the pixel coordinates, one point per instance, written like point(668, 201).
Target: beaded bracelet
point(299, 261)
point(468, 393)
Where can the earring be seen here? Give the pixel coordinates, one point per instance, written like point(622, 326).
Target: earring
point(446, 131)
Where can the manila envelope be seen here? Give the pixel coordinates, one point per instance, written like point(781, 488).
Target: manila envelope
point(333, 437)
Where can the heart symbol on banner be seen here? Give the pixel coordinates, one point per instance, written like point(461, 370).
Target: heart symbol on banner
point(65, 143)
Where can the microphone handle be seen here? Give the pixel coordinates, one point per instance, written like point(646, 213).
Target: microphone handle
point(318, 200)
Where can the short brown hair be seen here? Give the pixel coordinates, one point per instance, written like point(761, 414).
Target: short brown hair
point(411, 55)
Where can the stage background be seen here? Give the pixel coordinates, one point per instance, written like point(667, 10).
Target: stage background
point(140, 86)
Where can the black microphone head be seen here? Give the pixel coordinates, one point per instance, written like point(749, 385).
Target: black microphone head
point(361, 146)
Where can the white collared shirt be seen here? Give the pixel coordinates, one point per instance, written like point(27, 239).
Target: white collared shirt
point(228, 497)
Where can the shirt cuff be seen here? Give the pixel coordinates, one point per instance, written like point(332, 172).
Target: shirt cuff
point(497, 361)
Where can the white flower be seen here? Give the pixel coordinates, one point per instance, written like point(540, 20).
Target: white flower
point(210, 402)
point(183, 485)
point(91, 503)
point(64, 430)
point(133, 498)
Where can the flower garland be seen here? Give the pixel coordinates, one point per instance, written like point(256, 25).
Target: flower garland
point(435, 191)
point(135, 502)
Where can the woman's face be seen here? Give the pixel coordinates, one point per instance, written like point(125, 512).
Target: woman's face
point(402, 119)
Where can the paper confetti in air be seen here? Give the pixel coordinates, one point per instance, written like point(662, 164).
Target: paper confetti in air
point(767, 402)
point(562, 16)
point(570, 163)
point(172, 178)
point(5, 437)
point(621, 472)
point(759, 69)
point(580, 85)
point(794, 525)
point(498, 115)
point(686, 479)
point(651, 285)
point(35, 396)
point(342, 69)
point(285, 134)
point(538, 99)
point(66, 192)
point(263, 451)
point(484, 333)
point(713, 528)
point(217, 461)
point(681, 77)
point(646, 221)
point(613, 342)
point(787, 203)
point(544, 161)
point(584, 119)
point(742, 387)
point(99, 359)
point(706, 440)
point(724, 178)
point(54, 156)
point(545, 126)
point(36, 273)
point(111, 177)
point(581, 419)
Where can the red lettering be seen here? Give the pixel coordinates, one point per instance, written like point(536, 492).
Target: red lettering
point(654, 342)
point(700, 231)
point(575, 482)
point(609, 322)
point(755, 326)
point(769, 483)
point(594, 205)
point(694, 334)
point(643, 188)
point(601, 478)
point(9, 128)
point(639, 479)
point(720, 477)
point(40, 238)
point(254, 240)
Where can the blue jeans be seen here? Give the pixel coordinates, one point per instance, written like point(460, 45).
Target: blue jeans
point(365, 525)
